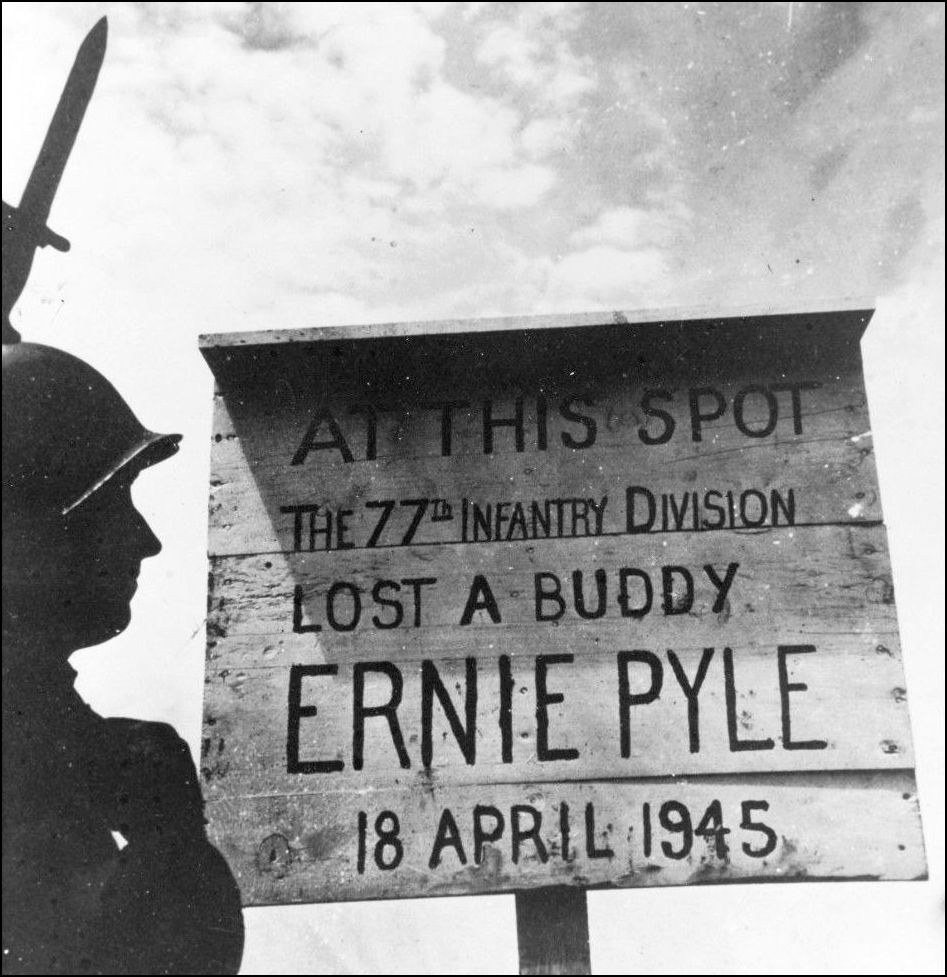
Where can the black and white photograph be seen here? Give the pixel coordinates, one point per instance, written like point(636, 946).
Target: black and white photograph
point(473, 488)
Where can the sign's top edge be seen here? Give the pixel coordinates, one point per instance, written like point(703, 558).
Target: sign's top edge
point(435, 327)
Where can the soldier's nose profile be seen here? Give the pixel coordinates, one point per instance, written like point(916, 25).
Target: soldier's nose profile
point(150, 544)
point(129, 526)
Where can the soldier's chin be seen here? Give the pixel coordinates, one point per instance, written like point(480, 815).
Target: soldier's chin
point(63, 617)
point(102, 623)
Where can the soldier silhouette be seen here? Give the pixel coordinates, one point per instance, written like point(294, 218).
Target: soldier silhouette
point(106, 865)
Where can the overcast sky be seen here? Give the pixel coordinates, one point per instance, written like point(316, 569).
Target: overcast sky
point(350, 161)
point(252, 166)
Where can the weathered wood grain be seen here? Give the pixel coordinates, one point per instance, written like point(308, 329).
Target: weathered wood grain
point(861, 825)
point(829, 465)
point(844, 589)
point(855, 702)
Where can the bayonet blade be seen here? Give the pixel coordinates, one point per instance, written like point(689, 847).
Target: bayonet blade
point(44, 180)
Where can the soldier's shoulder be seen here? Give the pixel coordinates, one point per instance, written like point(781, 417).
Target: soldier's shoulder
point(143, 737)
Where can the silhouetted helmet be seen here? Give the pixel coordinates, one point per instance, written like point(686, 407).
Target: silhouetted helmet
point(66, 431)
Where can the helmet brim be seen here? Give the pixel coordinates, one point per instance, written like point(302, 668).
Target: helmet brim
point(149, 450)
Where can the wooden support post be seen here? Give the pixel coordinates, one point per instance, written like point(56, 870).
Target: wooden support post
point(552, 929)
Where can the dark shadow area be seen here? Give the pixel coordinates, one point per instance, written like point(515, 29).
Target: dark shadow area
point(328, 423)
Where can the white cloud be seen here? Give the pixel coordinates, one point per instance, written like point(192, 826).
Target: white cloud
point(532, 49)
point(545, 135)
point(630, 227)
point(515, 52)
point(609, 273)
point(514, 187)
point(450, 136)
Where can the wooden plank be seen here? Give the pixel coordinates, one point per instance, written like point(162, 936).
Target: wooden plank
point(860, 825)
point(753, 579)
point(842, 606)
point(852, 712)
point(858, 307)
point(828, 466)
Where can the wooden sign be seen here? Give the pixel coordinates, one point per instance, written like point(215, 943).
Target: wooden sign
point(576, 600)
